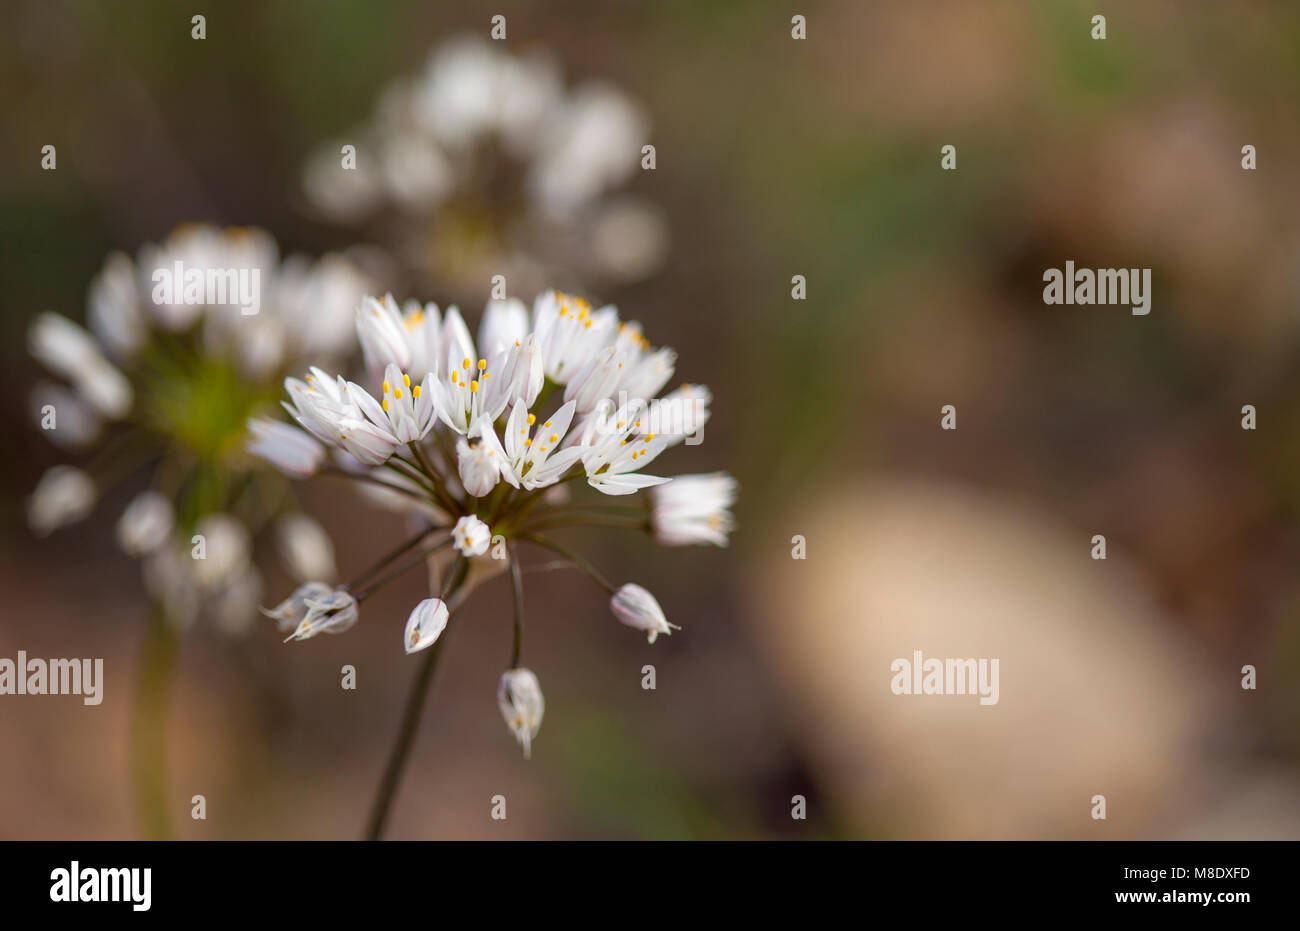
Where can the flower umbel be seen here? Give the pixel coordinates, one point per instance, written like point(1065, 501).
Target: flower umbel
point(485, 443)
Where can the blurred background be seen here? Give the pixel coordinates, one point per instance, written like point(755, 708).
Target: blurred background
point(775, 157)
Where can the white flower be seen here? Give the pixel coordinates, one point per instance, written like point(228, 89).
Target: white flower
point(329, 614)
point(289, 613)
point(406, 411)
point(67, 420)
point(519, 696)
point(474, 394)
point(305, 547)
point(382, 333)
point(693, 509)
point(63, 496)
point(594, 145)
point(616, 447)
point(222, 552)
point(470, 536)
point(534, 461)
point(114, 313)
point(596, 380)
point(504, 323)
point(570, 334)
point(479, 466)
point(69, 351)
point(636, 607)
point(146, 523)
point(331, 409)
point(285, 447)
point(425, 625)
point(235, 607)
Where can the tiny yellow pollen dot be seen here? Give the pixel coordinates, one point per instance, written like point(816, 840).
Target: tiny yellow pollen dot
point(487, 375)
point(543, 449)
point(586, 324)
point(523, 430)
point(547, 424)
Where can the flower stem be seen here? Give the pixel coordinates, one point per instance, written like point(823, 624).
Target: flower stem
point(389, 557)
point(517, 578)
point(149, 727)
point(574, 558)
point(410, 721)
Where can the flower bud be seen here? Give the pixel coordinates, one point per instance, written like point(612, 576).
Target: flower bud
point(519, 696)
point(636, 607)
point(425, 625)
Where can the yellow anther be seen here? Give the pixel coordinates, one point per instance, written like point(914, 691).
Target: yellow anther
point(385, 403)
point(415, 392)
point(528, 443)
point(454, 373)
point(473, 386)
point(547, 424)
point(387, 387)
point(555, 437)
point(398, 394)
point(406, 379)
point(482, 364)
point(532, 419)
point(466, 364)
point(649, 437)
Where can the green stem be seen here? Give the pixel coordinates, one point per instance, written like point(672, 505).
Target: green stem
point(148, 747)
point(410, 722)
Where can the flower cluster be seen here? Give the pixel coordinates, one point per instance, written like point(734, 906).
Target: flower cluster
point(162, 384)
point(485, 439)
point(496, 167)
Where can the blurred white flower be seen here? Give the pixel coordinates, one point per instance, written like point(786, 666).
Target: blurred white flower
point(63, 496)
point(636, 607)
point(305, 547)
point(693, 509)
point(558, 154)
point(220, 550)
point(146, 524)
point(291, 451)
point(519, 696)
